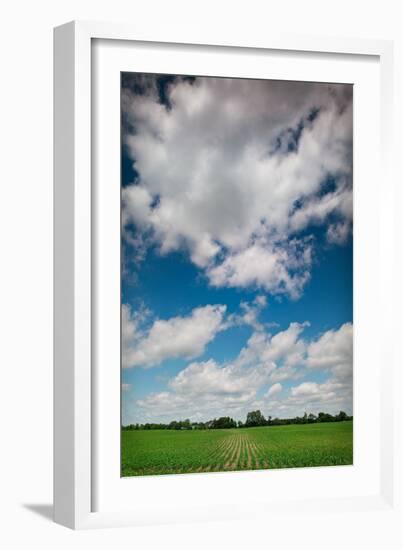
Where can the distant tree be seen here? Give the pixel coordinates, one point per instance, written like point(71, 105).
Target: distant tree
point(199, 426)
point(255, 418)
point(325, 417)
point(223, 422)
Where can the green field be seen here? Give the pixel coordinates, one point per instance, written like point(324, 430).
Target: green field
point(155, 452)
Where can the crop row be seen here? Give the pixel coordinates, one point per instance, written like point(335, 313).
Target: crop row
point(169, 452)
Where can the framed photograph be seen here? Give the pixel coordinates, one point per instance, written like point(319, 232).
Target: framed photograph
point(221, 225)
point(237, 226)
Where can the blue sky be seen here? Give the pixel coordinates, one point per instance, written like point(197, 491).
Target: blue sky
point(237, 248)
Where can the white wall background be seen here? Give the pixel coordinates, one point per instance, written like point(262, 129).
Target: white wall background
point(26, 263)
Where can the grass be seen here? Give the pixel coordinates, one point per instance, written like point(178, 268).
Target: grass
point(155, 452)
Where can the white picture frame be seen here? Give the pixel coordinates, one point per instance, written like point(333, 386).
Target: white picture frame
point(79, 477)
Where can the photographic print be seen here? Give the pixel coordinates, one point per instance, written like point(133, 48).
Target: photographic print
point(236, 274)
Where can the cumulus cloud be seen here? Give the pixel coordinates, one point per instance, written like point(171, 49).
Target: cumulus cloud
point(252, 379)
point(131, 331)
point(250, 312)
point(207, 388)
point(281, 350)
point(337, 233)
point(209, 377)
point(281, 269)
point(178, 337)
point(275, 388)
point(168, 405)
point(330, 396)
point(232, 171)
point(312, 389)
point(332, 355)
point(333, 351)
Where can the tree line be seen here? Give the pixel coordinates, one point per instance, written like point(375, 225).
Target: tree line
point(253, 419)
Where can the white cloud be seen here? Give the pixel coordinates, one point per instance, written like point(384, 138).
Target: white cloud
point(209, 389)
point(275, 388)
point(333, 351)
point(177, 337)
point(280, 270)
point(285, 373)
point(131, 331)
point(126, 387)
point(167, 406)
point(184, 337)
point(330, 396)
point(129, 325)
point(206, 389)
point(284, 349)
point(250, 313)
point(331, 354)
point(260, 301)
point(234, 168)
point(337, 233)
point(309, 389)
point(210, 378)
